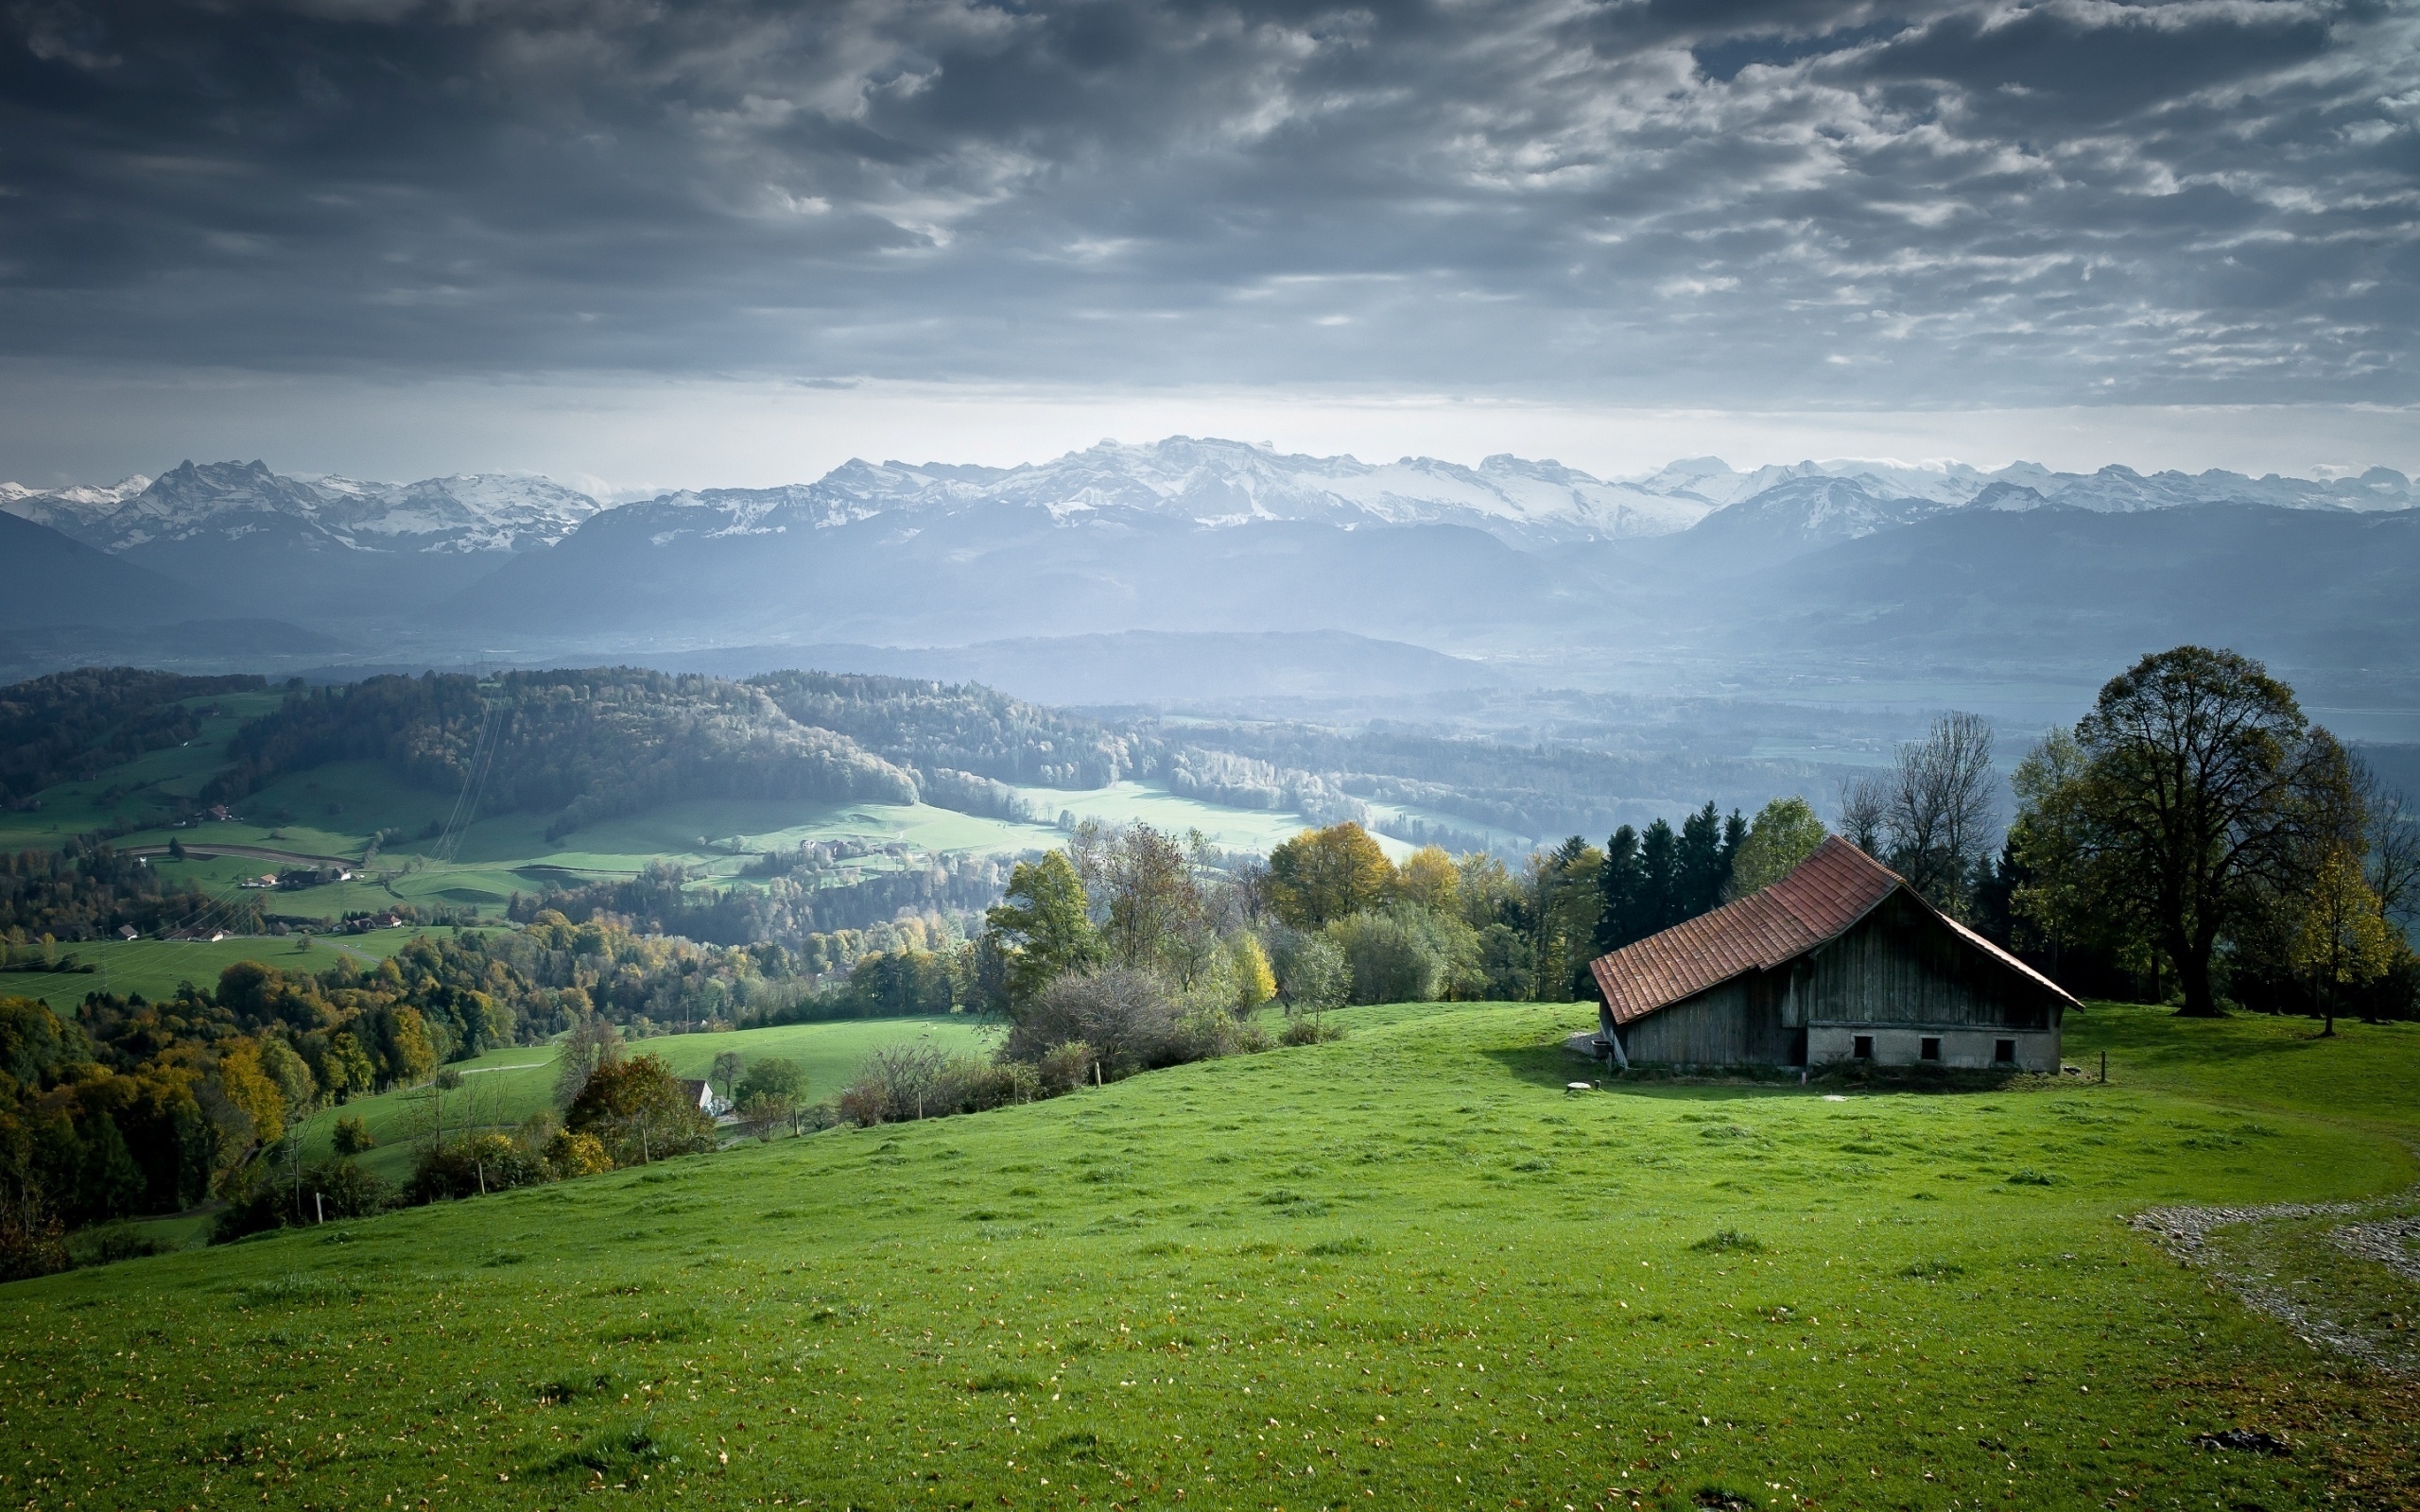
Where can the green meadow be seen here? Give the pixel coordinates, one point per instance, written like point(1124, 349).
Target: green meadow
point(504, 1087)
point(333, 812)
point(155, 967)
point(1406, 1269)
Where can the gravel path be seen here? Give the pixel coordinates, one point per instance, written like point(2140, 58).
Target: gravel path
point(2185, 1232)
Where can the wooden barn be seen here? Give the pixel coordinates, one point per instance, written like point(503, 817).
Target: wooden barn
point(1840, 960)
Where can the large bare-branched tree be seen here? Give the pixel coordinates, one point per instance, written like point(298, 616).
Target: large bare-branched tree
point(1938, 806)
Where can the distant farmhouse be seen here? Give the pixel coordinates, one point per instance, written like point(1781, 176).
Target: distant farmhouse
point(702, 1095)
point(1839, 961)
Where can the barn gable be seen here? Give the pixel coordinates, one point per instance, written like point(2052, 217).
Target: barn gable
point(1841, 959)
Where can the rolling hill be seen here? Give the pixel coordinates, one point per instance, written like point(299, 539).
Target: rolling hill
point(1407, 1269)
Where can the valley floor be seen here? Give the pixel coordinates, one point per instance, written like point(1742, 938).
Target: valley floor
point(1407, 1269)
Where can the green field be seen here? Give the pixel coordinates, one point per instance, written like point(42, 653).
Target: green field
point(1404, 1269)
point(502, 1087)
point(154, 966)
point(333, 811)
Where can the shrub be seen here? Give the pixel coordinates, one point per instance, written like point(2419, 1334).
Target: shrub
point(571, 1154)
point(1394, 956)
point(351, 1135)
point(1065, 1067)
point(1128, 1017)
point(1306, 1030)
point(343, 1190)
point(472, 1167)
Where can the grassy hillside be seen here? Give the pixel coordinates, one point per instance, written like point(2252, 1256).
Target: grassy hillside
point(154, 966)
point(502, 1087)
point(1406, 1269)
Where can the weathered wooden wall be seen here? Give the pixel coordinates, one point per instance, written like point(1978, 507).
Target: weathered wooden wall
point(1900, 965)
point(1738, 1024)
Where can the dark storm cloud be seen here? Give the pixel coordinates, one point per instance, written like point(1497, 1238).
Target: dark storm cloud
point(1708, 202)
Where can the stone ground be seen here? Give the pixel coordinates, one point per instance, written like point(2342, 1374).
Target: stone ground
point(2258, 1254)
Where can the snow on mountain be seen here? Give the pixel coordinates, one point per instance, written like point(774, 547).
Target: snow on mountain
point(1217, 482)
point(68, 510)
point(469, 513)
point(1209, 482)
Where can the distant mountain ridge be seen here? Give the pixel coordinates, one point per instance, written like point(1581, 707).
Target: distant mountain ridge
point(1209, 482)
point(466, 513)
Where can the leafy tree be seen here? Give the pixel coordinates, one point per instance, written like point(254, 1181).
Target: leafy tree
point(1152, 914)
point(2198, 790)
point(1785, 832)
point(1043, 927)
point(1324, 875)
point(638, 1110)
point(592, 1043)
point(1312, 974)
point(351, 1136)
point(727, 1066)
point(1402, 954)
point(771, 1076)
point(1256, 984)
point(1430, 879)
point(2344, 943)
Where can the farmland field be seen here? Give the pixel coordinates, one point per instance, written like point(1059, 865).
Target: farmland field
point(1404, 1269)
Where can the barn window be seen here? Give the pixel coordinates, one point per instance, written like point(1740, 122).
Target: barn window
point(1930, 1049)
point(2004, 1052)
point(1863, 1049)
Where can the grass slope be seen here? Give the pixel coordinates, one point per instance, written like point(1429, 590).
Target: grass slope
point(154, 966)
point(504, 1087)
point(1407, 1269)
point(331, 811)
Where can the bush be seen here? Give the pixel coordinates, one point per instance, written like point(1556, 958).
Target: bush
point(1394, 956)
point(570, 1155)
point(472, 1167)
point(1127, 1017)
point(1302, 1029)
point(343, 1190)
point(1065, 1067)
point(351, 1136)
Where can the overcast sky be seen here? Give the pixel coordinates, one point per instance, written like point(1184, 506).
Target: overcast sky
point(716, 242)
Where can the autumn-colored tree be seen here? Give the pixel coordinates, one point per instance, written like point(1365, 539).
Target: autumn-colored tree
point(1324, 875)
point(1256, 984)
point(2344, 943)
point(1430, 878)
point(639, 1110)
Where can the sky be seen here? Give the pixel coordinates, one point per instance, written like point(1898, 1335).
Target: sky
point(636, 244)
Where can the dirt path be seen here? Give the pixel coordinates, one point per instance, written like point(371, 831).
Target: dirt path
point(2257, 1269)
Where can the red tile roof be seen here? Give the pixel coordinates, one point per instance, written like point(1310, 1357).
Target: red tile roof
point(1821, 898)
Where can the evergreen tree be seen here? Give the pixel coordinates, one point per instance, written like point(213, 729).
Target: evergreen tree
point(1707, 845)
point(1621, 885)
point(1660, 870)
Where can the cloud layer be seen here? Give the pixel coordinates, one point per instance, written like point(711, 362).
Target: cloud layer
point(1726, 202)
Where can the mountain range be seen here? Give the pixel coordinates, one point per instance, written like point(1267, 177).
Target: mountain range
point(1207, 537)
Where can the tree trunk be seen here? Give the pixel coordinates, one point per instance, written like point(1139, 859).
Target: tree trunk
point(2193, 970)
